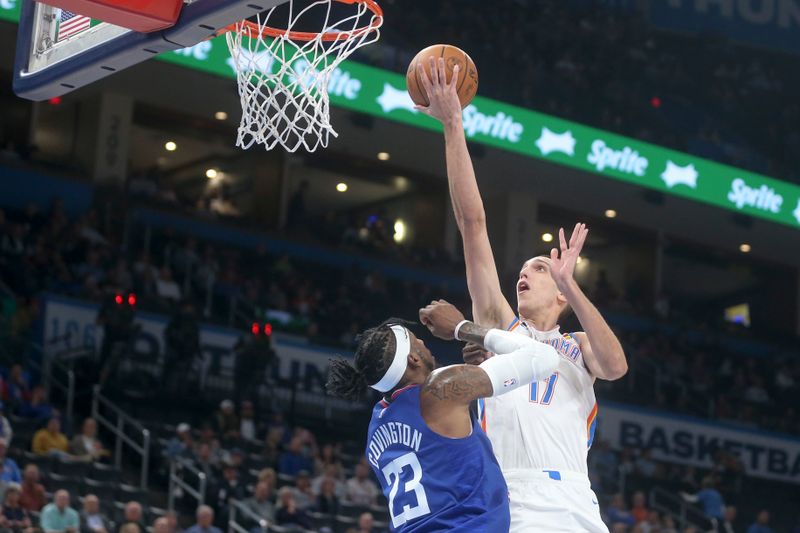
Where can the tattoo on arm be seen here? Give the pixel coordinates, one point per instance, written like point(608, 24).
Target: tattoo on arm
point(472, 332)
point(459, 384)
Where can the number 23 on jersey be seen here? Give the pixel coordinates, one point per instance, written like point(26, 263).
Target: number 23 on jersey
point(414, 509)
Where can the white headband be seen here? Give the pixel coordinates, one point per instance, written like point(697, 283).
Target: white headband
point(400, 362)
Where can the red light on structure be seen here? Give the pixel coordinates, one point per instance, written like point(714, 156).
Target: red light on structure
point(655, 102)
point(131, 300)
point(118, 299)
point(56, 100)
point(255, 328)
point(268, 329)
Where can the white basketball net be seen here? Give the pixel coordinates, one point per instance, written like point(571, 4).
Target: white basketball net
point(283, 83)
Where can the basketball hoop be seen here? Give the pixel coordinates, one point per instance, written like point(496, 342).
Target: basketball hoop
point(283, 74)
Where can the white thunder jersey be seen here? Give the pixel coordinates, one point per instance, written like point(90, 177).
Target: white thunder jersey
point(548, 425)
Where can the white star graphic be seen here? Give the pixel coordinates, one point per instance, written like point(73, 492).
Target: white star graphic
point(796, 212)
point(549, 141)
point(677, 175)
point(392, 99)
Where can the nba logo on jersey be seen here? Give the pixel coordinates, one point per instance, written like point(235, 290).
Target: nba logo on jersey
point(509, 382)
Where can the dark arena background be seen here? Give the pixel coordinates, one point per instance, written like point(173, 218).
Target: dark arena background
point(170, 302)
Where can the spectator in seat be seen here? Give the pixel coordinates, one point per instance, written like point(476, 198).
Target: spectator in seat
point(59, 517)
point(172, 521)
point(269, 477)
point(205, 521)
point(327, 500)
point(38, 406)
point(728, 520)
point(166, 287)
point(249, 428)
point(6, 432)
point(182, 444)
point(226, 423)
point(293, 460)
point(273, 445)
point(360, 489)
point(133, 515)
point(229, 489)
point(710, 500)
point(619, 514)
point(236, 460)
point(161, 525)
point(10, 470)
point(92, 520)
point(288, 513)
point(645, 465)
point(327, 456)
point(85, 445)
point(50, 440)
point(366, 523)
point(130, 527)
point(16, 389)
point(303, 495)
point(261, 502)
point(32, 497)
point(639, 509)
point(206, 462)
point(334, 472)
point(15, 517)
point(761, 525)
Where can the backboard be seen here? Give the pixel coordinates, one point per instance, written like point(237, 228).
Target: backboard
point(58, 51)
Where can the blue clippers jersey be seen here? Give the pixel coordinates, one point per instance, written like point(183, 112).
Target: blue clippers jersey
point(434, 483)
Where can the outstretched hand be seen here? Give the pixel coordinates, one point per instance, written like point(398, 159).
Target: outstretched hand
point(444, 104)
point(562, 264)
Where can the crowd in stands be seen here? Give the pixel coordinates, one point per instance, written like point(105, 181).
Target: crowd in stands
point(192, 279)
point(285, 475)
point(716, 495)
point(611, 68)
point(279, 473)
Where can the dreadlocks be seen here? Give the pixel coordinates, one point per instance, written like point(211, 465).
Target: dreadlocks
point(373, 356)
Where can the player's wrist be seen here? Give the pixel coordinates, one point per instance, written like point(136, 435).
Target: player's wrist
point(453, 123)
point(569, 287)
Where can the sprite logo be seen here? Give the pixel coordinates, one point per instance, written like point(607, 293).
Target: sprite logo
point(763, 198)
point(498, 126)
point(200, 51)
point(8, 4)
point(626, 160)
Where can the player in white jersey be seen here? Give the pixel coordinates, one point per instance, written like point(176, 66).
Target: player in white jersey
point(540, 434)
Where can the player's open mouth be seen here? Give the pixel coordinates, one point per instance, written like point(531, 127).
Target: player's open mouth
point(522, 286)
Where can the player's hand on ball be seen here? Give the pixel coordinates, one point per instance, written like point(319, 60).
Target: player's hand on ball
point(441, 318)
point(444, 104)
point(474, 354)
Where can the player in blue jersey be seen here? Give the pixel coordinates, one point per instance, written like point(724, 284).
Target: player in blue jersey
point(434, 464)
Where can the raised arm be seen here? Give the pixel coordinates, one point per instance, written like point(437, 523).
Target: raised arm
point(602, 351)
point(446, 394)
point(489, 306)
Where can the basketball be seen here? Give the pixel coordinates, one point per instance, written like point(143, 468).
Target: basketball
point(467, 85)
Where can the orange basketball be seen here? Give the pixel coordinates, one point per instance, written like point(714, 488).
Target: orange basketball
point(467, 84)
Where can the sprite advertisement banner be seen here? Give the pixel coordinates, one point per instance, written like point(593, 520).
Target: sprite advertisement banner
point(382, 93)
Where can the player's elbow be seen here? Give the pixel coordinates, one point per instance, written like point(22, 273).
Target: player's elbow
point(471, 219)
point(617, 369)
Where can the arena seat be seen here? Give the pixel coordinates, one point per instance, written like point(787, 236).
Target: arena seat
point(104, 472)
point(71, 467)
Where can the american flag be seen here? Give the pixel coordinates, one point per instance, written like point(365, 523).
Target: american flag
point(71, 23)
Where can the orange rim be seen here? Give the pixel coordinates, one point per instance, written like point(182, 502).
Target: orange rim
point(252, 30)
